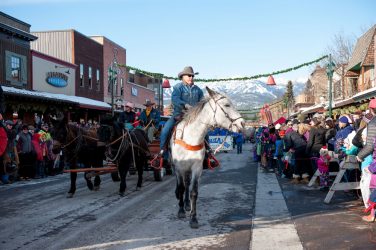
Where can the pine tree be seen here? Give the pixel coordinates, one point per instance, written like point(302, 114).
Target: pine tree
point(288, 97)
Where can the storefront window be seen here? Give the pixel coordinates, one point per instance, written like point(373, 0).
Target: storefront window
point(81, 75)
point(98, 82)
point(90, 78)
point(121, 86)
point(16, 68)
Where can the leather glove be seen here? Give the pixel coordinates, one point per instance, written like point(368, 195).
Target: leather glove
point(187, 106)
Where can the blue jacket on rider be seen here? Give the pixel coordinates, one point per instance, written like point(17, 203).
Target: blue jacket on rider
point(184, 94)
point(181, 95)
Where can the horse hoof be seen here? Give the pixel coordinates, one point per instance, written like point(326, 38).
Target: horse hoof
point(90, 185)
point(138, 188)
point(96, 188)
point(187, 207)
point(70, 195)
point(181, 214)
point(193, 223)
point(122, 194)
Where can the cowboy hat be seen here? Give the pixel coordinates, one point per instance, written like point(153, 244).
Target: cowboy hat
point(129, 104)
point(148, 103)
point(187, 71)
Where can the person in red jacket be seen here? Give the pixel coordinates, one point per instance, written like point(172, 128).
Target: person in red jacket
point(3, 147)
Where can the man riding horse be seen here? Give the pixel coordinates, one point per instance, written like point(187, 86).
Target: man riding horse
point(184, 96)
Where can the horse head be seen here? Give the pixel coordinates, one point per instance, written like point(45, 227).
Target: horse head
point(59, 132)
point(225, 114)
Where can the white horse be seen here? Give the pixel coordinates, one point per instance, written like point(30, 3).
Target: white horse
point(188, 149)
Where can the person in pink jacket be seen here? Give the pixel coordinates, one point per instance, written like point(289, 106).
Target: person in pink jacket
point(323, 166)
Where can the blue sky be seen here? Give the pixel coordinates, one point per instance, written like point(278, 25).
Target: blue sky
point(218, 38)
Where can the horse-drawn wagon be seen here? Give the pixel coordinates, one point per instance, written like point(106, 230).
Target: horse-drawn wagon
point(121, 149)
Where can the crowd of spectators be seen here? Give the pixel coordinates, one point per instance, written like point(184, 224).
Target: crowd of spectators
point(28, 149)
point(297, 148)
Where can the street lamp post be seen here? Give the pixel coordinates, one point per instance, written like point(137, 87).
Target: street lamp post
point(113, 70)
point(329, 72)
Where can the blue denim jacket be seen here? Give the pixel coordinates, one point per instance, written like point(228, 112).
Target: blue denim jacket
point(154, 115)
point(183, 94)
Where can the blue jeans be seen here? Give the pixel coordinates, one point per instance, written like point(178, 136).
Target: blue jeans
point(166, 131)
point(239, 147)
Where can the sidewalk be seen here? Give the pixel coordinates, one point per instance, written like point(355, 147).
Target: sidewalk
point(273, 227)
point(294, 216)
point(337, 225)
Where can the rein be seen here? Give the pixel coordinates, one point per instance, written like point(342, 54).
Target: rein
point(232, 120)
point(119, 149)
point(182, 143)
point(130, 138)
point(69, 143)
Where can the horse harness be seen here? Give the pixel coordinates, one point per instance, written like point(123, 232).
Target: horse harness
point(198, 147)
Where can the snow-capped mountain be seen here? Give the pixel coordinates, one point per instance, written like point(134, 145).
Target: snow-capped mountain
point(247, 94)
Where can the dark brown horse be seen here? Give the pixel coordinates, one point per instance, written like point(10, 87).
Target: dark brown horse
point(79, 146)
point(90, 147)
point(127, 148)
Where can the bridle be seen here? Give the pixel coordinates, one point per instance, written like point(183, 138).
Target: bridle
point(232, 120)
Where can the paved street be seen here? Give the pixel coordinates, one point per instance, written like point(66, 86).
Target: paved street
point(233, 214)
point(37, 215)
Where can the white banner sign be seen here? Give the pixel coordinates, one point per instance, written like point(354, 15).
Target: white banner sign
point(217, 140)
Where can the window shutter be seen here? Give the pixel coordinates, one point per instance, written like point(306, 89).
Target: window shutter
point(8, 69)
point(23, 70)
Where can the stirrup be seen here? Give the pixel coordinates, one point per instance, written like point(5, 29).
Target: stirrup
point(212, 161)
point(157, 161)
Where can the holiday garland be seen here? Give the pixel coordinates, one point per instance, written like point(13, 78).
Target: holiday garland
point(160, 76)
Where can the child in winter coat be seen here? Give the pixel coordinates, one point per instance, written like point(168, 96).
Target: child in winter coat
point(278, 154)
point(323, 166)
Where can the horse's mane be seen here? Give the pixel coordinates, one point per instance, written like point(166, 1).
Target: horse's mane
point(192, 113)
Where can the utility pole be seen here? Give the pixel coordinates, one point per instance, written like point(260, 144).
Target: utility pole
point(113, 70)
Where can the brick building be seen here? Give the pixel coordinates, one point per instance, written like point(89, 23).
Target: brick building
point(76, 48)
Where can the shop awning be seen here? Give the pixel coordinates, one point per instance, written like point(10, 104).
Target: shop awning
point(343, 102)
point(313, 109)
point(367, 94)
point(82, 102)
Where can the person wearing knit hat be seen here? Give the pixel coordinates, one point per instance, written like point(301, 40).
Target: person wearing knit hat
point(344, 120)
point(344, 130)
